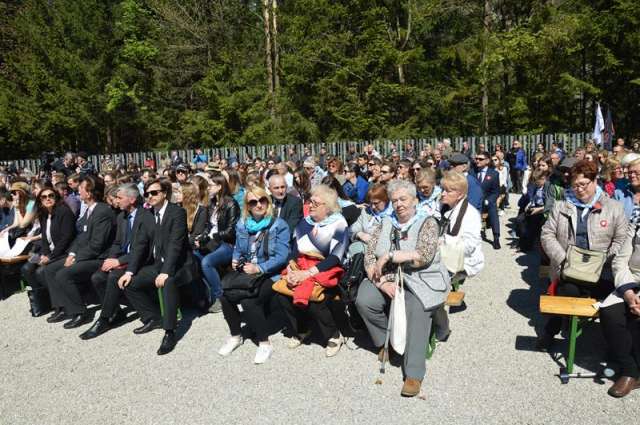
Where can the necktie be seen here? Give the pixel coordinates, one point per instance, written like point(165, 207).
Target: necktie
point(156, 234)
point(127, 235)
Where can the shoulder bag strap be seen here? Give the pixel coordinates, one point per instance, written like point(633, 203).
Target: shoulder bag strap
point(461, 213)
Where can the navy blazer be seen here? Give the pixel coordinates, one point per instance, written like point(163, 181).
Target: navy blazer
point(490, 185)
point(474, 192)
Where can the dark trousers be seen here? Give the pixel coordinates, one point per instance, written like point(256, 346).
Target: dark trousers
point(106, 286)
point(64, 286)
point(622, 331)
point(33, 275)
point(318, 311)
point(568, 289)
point(494, 221)
point(516, 179)
point(254, 310)
point(142, 293)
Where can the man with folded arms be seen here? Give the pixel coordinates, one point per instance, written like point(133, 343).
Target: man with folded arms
point(96, 230)
point(172, 266)
point(130, 252)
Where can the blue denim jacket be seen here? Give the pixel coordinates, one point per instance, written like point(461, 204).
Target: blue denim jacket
point(278, 249)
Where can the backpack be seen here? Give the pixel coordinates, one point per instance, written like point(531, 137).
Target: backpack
point(348, 290)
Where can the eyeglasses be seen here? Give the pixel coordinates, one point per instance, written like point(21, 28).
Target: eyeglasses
point(47, 196)
point(15, 192)
point(581, 185)
point(316, 204)
point(152, 193)
point(254, 202)
point(385, 171)
point(634, 173)
point(271, 163)
point(480, 158)
point(309, 168)
point(371, 164)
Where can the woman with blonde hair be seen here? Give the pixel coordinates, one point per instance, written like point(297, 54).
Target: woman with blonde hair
point(261, 248)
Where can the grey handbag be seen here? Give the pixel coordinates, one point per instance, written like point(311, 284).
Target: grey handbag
point(583, 266)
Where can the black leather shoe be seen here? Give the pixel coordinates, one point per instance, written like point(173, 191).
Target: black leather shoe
point(78, 320)
point(148, 327)
point(496, 244)
point(168, 343)
point(99, 327)
point(544, 342)
point(57, 316)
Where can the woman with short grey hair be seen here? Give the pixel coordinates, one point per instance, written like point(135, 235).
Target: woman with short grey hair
point(409, 240)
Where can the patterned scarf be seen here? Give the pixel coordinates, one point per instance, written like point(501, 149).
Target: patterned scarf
point(570, 196)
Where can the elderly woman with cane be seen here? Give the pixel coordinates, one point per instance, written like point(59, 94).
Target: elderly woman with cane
point(404, 247)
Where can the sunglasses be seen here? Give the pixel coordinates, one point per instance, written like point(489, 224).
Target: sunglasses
point(47, 196)
point(15, 192)
point(417, 168)
point(254, 203)
point(480, 158)
point(181, 172)
point(371, 164)
point(152, 193)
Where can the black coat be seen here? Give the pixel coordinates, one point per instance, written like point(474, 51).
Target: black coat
point(291, 211)
point(199, 226)
point(228, 215)
point(63, 231)
point(171, 241)
point(96, 234)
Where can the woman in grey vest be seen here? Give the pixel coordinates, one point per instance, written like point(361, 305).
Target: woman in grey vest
point(410, 240)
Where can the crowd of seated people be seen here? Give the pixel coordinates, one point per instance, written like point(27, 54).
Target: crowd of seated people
point(134, 238)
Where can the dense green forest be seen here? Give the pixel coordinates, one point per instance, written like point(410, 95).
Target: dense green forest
point(115, 76)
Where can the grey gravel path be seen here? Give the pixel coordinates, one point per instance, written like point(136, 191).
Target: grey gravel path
point(485, 373)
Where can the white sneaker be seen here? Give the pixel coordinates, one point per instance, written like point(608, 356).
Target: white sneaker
point(263, 353)
point(500, 213)
point(229, 345)
point(333, 346)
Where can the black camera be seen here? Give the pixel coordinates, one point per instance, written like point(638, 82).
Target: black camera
point(203, 239)
point(241, 264)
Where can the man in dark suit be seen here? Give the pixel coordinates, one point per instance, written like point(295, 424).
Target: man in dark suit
point(490, 184)
point(172, 266)
point(96, 232)
point(286, 207)
point(129, 252)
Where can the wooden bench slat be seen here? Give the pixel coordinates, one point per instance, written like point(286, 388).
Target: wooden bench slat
point(568, 306)
point(454, 299)
point(14, 260)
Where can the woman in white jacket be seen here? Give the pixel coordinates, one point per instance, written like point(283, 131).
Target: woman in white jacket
point(463, 221)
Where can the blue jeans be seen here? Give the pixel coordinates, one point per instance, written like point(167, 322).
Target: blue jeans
point(219, 258)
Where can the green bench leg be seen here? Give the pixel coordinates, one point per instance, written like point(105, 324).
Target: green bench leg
point(573, 336)
point(161, 300)
point(431, 344)
point(22, 285)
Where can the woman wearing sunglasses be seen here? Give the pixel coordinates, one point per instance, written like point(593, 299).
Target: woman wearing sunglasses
point(216, 248)
point(257, 227)
point(58, 224)
point(24, 207)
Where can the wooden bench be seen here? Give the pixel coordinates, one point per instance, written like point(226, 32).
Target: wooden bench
point(578, 310)
point(6, 266)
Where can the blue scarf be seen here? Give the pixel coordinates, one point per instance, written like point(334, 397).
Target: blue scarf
point(570, 196)
point(345, 202)
point(254, 227)
point(404, 226)
point(331, 219)
point(388, 210)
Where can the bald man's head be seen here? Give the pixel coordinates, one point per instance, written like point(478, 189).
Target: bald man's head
point(277, 186)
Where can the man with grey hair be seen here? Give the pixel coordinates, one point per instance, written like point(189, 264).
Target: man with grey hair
point(129, 252)
point(285, 206)
point(315, 173)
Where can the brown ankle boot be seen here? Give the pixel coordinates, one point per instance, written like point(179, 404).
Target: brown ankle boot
point(411, 387)
point(623, 386)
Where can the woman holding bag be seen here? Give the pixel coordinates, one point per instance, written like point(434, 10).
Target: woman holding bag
point(261, 249)
point(587, 221)
point(410, 241)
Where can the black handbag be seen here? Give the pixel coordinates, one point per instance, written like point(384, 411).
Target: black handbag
point(238, 285)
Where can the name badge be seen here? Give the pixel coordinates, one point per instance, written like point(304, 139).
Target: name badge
point(85, 228)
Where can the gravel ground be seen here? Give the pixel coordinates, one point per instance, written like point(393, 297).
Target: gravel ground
point(486, 372)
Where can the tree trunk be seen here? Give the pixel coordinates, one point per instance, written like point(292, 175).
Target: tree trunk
point(485, 72)
point(276, 54)
point(401, 74)
point(266, 6)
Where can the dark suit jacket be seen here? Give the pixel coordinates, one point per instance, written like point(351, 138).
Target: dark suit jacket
point(171, 241)
point(491, 185)
point(63, 231)
point(94, 242)
point(141, 252)
point(474, 192)
point(291, 211)
point(140, 238)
